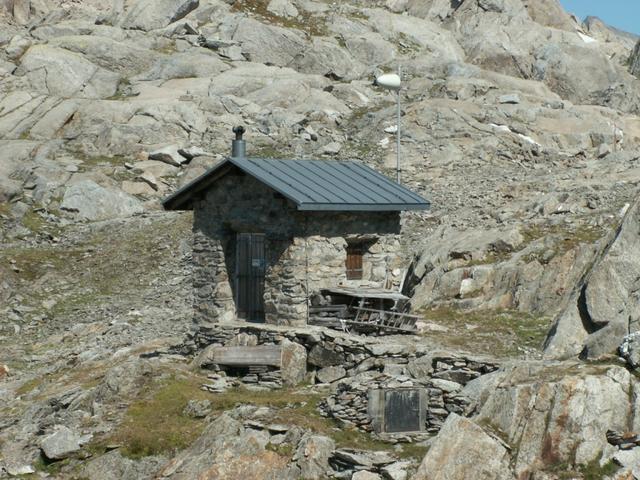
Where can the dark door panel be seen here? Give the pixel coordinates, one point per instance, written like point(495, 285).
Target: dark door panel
point(250, 269)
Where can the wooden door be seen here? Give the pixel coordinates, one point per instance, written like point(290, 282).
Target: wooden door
point(250, 268)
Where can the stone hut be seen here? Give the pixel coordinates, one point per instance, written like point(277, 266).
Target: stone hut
point(269, 233)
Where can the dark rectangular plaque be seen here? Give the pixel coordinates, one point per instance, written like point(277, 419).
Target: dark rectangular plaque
point(402, 410)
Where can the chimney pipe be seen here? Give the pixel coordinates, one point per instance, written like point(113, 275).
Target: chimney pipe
point(239, 146)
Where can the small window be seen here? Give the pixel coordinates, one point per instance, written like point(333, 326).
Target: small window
point(354, 261)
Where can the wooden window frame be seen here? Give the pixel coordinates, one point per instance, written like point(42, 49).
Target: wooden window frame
point(354, 261)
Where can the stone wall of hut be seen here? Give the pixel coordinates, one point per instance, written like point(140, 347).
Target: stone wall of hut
point(304, 250)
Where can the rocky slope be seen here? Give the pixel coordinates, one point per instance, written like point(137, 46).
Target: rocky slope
point(520, 124)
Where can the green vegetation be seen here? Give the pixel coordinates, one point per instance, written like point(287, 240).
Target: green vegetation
point(593, 470)
point(305, 21)
point(570, 236)
point(156, 424)
point(498, 332)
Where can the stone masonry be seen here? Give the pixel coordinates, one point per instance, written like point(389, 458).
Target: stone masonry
point(305, 251)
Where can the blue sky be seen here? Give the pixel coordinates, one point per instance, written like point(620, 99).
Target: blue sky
point(622, 14)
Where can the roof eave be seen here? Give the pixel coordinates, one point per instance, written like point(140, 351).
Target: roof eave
point(341, 207)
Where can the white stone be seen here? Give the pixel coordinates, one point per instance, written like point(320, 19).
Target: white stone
point(60, 444)
point(90, 201)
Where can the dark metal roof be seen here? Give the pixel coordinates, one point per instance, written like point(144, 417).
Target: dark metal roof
point(313, 185)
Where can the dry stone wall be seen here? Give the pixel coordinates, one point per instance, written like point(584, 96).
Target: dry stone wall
point(354, 365)
point(304, 250)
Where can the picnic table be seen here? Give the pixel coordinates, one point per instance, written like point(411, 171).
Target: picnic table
point(366, 310)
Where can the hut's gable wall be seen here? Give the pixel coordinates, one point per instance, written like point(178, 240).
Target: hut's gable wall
point(303, 249)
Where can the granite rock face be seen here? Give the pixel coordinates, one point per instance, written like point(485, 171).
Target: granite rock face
point(463, 450)
point(604, 306)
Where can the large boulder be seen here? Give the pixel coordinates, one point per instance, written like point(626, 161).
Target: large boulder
point(328, 58)
point(462, 449)
point(59, 72)
point(294, 363)
point(90, 201)
point(268, 44)
point(606, 297)
point(559, 413)
point(312, 456)
point(107, 53)
point(60, 444)
point(113, 466)
point(153, 14)
point(228, 451)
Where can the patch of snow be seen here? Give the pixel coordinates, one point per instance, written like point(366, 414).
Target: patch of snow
point(500, 128)
point(587, 38)
point(528, 139)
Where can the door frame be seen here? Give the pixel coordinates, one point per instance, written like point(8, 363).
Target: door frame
point(255, 274)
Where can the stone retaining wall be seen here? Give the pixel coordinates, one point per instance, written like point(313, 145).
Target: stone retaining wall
point(353, 365)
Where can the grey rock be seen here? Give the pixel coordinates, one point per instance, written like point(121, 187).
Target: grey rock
point(606, 297)
point(268, 44)
point(169, 154)
point(90, 201)
point(282, 8)
point(226, 450)
point(17, 46)
point(630, 349)
point(628, 458)
point(463, 450)
point(365, 475)
point(55, 71)
point(332, 148)
point(113, 466)
point(312, 456)
point(364, 458)
point(561, 406)
point(155, 14)
point(396, 471)
point(512, 98)
point(294, 363)
point(634, 61)
point(192, 152)
point(326, 57)
point(60, 444)
point(330, 374)
point(197, 408)
point(184, 65)
point(604, 342)
point(603, 150)
point(321, 356)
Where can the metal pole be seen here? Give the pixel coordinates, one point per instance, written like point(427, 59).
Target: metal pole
point(398, 132)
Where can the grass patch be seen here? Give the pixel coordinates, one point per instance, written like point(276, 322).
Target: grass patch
point(569, 236)
point(305, 21)
point(156, 423)
point(498, 332)
point(91, 161)
point(591, 471)
point(29, 386)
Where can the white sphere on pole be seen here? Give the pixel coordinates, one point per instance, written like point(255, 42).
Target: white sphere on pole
point(390, 81)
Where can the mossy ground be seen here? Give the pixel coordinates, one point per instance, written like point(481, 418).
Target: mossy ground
point(504, 333)
point(155, 423)
point(311, 24)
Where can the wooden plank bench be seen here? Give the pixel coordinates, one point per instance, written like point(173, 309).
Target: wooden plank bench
point(264, 355)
